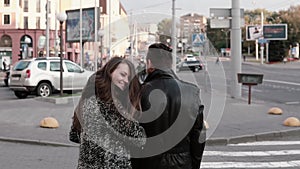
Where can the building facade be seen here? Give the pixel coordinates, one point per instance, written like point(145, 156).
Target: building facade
point(191, 23)
point(23, 28)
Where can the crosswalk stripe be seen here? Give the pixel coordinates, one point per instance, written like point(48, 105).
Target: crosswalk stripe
point(251, 153)
point(266, 143)
point(250, 164)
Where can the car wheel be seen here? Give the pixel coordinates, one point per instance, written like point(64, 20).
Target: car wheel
point(44, 90)
point(196, 69)
point(21, 95)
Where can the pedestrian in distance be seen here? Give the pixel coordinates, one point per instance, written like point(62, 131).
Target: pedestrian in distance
point(4, 64)
point(172, 116)
point(103, 120)
point(218, 60)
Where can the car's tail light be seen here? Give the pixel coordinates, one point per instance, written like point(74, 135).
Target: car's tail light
point(27, 73)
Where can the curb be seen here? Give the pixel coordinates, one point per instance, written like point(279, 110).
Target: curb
point(62, 100)
point(36, 142)
point(222, 141)
point(267, 136)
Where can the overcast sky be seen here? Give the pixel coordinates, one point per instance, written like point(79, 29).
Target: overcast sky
point(201, 6)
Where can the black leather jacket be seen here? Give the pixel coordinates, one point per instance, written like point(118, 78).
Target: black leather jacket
point(180, 109)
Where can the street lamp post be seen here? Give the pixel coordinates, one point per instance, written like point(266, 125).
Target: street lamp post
point(101, 34)
point(61, 17)
point(174, 40)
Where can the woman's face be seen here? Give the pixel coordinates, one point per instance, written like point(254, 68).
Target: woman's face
point(120, 76)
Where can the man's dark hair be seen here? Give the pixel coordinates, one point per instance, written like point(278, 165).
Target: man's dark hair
point(160, 55)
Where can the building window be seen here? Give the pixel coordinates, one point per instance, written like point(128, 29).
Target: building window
point(46, 6)
point(38, 22)
point(6, 19)
point(38, 6)
point(25, 22)
point(6, 2)
point(25, 9)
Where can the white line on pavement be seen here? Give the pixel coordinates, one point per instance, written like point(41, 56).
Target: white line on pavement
point(277, 81)
point(266, 143)
point(251, 153)
point(250, 164)
point(290, 103)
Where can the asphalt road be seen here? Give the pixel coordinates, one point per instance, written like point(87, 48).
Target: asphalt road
point(280, 85)
point(256, 155)
point(284, 153)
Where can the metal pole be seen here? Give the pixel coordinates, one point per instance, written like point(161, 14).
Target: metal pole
point(267, 52)
point(173, 36)
point(262, 45)
point(61, 58)
point(131, 37)
point(256, 49)
point(96, 38)
point(80, 36)
point(249, 94)
point(236, 90)
point(109, 32)
point(47, 29)
point(55, 40)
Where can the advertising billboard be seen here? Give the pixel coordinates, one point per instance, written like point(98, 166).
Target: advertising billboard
point(88, 25)
point(275, 32)
point(269, 32)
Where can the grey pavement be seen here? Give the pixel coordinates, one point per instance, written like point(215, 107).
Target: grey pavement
point(237, 122)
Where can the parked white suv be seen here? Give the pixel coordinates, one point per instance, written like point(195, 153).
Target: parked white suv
point(41, 76)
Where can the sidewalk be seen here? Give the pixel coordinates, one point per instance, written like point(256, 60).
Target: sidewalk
point(289, 64)
point(239, 122)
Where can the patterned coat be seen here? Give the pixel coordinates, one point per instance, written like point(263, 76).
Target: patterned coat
point(107, 134)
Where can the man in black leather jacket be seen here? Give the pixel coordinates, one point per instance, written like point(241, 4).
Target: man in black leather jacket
point(172, 116)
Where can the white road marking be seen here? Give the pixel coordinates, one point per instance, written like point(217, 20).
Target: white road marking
point(251, 153)
point(250, 164)
point(266, 143)
point(277, 81)
point(290, 103)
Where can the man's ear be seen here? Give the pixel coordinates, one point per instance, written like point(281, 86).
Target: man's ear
point(149, 63)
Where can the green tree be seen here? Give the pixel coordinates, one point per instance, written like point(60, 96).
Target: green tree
point(165, 30)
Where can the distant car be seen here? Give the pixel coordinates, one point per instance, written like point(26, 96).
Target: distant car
point(41, 76)
point(190, 58)
point(194, 65)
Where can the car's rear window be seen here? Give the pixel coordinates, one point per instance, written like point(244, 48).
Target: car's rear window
point(21, 65)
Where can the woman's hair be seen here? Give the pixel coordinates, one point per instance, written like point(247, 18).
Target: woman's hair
point(104, 87)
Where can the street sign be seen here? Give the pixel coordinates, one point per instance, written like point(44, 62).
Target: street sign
point(221, 17)
point(223, 12)
point(219, 23)
point(198, 39)
point(250, 80)
point(247, 78)
point(220, 12)
point(262, 41)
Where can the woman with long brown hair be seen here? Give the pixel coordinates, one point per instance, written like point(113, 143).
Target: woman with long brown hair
point(104, 117)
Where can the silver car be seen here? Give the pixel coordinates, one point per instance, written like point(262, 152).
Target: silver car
point(41, 76)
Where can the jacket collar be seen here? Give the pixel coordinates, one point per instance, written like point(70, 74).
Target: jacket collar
point(160, 74)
